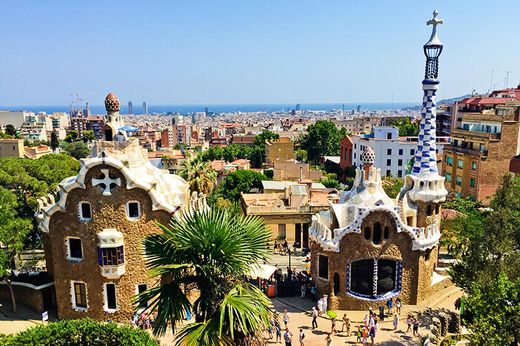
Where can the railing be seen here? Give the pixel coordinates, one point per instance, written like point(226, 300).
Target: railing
point(478, 134)
point(466, 151)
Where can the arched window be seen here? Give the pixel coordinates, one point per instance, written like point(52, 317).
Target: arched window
point(429, 210)
point(336, 283)
point(374, 278)
point(386, 233)
point(376, 237)
point(367, 233)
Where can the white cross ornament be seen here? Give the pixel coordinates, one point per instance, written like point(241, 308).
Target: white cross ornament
point(106, 182)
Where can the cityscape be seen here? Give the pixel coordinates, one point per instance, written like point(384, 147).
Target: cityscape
point(261, 213)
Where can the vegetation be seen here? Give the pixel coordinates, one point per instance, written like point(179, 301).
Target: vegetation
point(323, 138)
point(199, 175)
point(489, 267)
point(55, 143)
point(80, 332)
point(406, 127)
point(392, 186)
point(76, 149)
point(10, 130)
point(22, 181)
point(237, 182)
point(208, 253)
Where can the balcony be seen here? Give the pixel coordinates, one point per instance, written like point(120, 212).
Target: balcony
point(113, 272)
point(459, 150)
point(466, 134)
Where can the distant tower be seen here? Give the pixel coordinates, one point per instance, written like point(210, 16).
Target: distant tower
point(145, 108)
point(359, 108)
point(130, 107)
point(424, 187)
point(114, 121)
point(87, 110)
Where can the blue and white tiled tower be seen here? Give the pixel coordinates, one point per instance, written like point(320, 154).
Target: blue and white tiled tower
point(424, 189)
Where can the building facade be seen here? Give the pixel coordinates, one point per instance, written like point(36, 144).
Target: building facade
point(11, 148)
point(93, 230)
point(368, 248)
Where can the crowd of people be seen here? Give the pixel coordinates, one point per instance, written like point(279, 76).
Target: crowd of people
point(143, 321)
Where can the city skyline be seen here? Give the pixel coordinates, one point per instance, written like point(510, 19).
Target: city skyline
point(248, 53)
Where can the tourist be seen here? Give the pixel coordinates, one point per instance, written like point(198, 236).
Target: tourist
point(320, 306)
point(398, 305)
point(364, 336)
point(373, 331)
point(328, 339)
point(302, 336)
point(314, 290)
point(285, 317)
point(287, 337)
point(303, 289)
point(359, 334)
point(325, 302)
point(333, 326)
point(396, 320)
point(409, 322)
point(278, 332)
point(382, 313)
point(314, 314)
point(272, 326)
point(346, 324)
point(389, 305)
point(275, 246)
point(415, 327)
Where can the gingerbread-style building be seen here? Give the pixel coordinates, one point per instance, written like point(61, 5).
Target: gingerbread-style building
point(94, 227)
point(368, 247)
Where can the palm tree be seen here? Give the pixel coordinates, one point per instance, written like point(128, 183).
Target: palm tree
point(206, 254)
point(199, 175)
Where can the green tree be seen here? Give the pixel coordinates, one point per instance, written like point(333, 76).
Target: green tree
point(256, 156)
point(323, 138)
point(88, 136)
point(392, 186)
point(55, 143)
point(199, 175)
point(301, 155)
point(80, 332)
point(406, 127)
point(213, 153)
point(488, 269)
point(238, 182)
point(208, 253)
point(266, 136)
point(330, 183)
point(78, 150)
point(10, 130)
point(72, 136)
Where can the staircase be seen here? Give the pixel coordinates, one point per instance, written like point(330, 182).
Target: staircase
point(444, 261)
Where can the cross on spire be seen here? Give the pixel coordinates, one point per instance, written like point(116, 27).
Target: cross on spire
point(434, 22)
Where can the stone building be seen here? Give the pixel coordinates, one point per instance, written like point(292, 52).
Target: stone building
point(280, 150)
point(93, 229)
point(368, 247)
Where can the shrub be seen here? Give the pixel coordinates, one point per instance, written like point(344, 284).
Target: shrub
point(80, 332)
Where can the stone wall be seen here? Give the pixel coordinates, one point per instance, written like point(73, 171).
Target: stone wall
point(416, 271)
point(107, 212)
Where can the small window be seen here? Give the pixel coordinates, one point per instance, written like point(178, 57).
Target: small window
point(427, 254)
point(140, 289)
point(429, 210)
point(80, 295)
point(388, 173)
point(133, 210)
point(376, 239)
point(367, 234)
point(110, 296)
point(471, 182)
point(460, 163)
point(400, 173)
point(281, 231)
point(412, 151)
point(389, 135)
point(323, 269)
point(386, 233)
point(449, 160)
point(388, 151)
point(85, 211)
point(400, 162)
point(75, 250)
point(473, 165)
point(400, 151)
point(389, 162)
point(458, 180)
point(448, 177)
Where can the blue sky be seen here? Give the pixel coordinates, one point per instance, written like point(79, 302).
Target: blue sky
point(217, 52)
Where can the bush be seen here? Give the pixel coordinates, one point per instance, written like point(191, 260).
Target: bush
point(80, 332)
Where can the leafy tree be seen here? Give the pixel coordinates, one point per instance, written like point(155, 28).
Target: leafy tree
point(330, 183)
point(208, 253)
point(78, 150)
point(213, 153)
point(301, 155)
point(323, 138)
point(199, 175)
point(256, 156)
point(264, 137)
point(55, 143)
point(392, 186)
point(10, 130)
point(238, 182)
point(489, 268)
point(88, 136)
point(406, 127)
point(72, 136)
point(80, 332)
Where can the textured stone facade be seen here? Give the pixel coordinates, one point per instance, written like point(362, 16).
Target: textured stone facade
point(108, 212)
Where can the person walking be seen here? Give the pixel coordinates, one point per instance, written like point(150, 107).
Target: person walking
point(415, 327)
point(301, 337)
point(288, 337)
point(285, 318)
point(328, 339)
point(382, 313)
point(389, 305)
point(278, 332)
point(314, 314)
point(373, 331)
point(409, 322)
point(396, 320)
point(346, 324)
point(398, 305)
point(333, 326)
point(303, 289)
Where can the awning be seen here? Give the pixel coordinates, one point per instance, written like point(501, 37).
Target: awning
point(264, 271)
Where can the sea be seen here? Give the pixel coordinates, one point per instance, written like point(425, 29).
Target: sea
point(223, 108)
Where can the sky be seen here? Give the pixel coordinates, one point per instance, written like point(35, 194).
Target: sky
point(238, 52)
